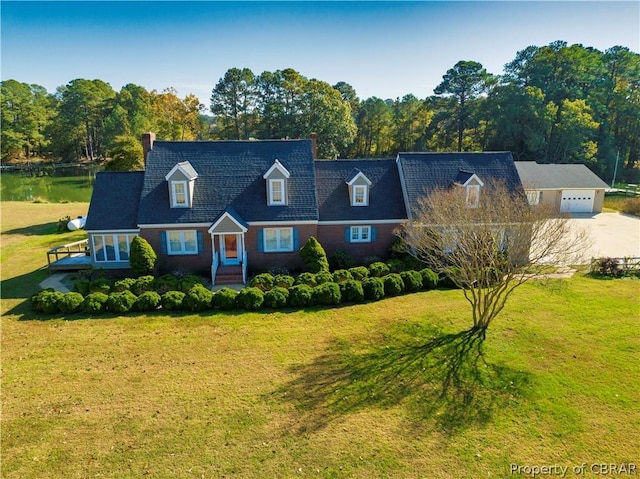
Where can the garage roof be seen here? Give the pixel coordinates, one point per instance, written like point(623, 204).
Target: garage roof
point(556, 176)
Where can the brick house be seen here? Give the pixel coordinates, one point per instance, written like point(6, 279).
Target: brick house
point(224, 208)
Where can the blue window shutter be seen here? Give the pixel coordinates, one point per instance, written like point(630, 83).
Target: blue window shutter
point(163, 242)
point(261, 241)
point(296, 240)
point(200, 242)
point(374, 233)
point(347, 234)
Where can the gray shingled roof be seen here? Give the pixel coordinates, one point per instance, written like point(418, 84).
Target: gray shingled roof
point(229, 174)
point(114, 201)
point(555, 176)
point(385, 195)
point(424, 172)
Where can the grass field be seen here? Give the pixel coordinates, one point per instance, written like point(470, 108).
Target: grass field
point(353, 391)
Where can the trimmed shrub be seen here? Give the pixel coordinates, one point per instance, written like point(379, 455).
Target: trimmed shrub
point(188, 282)
point(373, 288)
point(276, 297)
point(100, 285)
point(393, 284)
point(121, 302)
point(340, 260)
point(225, 299)
point(444, 278)
point(306, 278)
point(95, 303)
point(82, 286)
point(429, 279)
point(412, 281)
point(378, 269)
point(327, 293)
point(70, 302)
point(262, 281)
point(142, 284)
point(123, 285)
point(172, 300)
point(313, 256)
point(147, 301)
point(250, 298)
point(283, 281)
point(300, 296)
point(396, 265)
point(47, 301)
point(198, 298)
point(165, 283)
point(351, 291)
point(359, 272)
point(323, 277)
point(142, 257)
point(341, 275)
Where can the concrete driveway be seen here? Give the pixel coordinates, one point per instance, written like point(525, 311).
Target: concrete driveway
point(611, 234)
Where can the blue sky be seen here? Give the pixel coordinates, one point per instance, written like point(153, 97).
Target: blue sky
point(384, 49)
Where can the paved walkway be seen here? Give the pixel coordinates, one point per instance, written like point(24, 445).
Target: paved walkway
point(55, 281)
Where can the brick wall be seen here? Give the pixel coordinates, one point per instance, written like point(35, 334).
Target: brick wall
point(265, 261)
point(197, 264)
point(332, 238)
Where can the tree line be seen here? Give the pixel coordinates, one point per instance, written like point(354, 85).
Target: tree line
point(557, 103)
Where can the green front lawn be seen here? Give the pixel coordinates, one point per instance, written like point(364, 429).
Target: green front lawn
point(355, 391)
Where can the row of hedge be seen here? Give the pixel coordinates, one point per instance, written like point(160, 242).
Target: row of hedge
point(295, 294)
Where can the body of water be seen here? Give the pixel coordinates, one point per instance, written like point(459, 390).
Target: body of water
point(52, 189)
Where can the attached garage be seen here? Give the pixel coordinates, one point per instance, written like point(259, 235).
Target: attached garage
point(577, 201)
point(569, 188)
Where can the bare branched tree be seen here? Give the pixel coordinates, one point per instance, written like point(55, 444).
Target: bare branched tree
point(491, 242)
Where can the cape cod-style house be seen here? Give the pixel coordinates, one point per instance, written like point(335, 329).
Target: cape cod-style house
point(223, 208)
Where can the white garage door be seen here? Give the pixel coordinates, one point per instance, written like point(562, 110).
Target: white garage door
point(577, 201)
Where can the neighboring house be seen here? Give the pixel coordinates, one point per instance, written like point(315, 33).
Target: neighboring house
point(226, 207)
point(571, 188)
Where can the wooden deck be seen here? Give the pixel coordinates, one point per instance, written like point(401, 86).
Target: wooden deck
point(69, 257)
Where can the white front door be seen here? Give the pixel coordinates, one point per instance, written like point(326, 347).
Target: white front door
point(230, 248)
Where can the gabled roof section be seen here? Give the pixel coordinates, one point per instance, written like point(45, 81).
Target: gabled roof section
point(230, 214)
point(557, 176)
point(277, 166)
point(354, 175)
point(465, 177)
point(114, 201)
point(230, 173)
point(421, 173)
point(385, 197)
point(185, 168)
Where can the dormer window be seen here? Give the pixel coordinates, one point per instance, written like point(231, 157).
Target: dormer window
point(472, 184)
point(179, 194)
point(358, 185)
point(276, 192)
point(181, 180)
point(277, 178)
point(360, 195)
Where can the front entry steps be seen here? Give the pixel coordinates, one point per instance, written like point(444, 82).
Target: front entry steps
point(228, 275)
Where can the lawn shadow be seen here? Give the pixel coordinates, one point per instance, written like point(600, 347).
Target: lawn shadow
point(438, 377)
point(43, 229)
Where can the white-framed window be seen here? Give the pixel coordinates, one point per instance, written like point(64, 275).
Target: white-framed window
point(359, 195)
point(533, 197)
point(276, 192)
point(360, 234)
point(179, 194)
point(473, 196)
point(182, 242)
point(278, 240)
point(112, 247)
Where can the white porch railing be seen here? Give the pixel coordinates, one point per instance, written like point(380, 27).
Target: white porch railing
point(214, 268)
point(244, 267)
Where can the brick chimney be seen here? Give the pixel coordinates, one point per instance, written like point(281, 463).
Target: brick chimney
point(314, 145)
point(147, 140)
